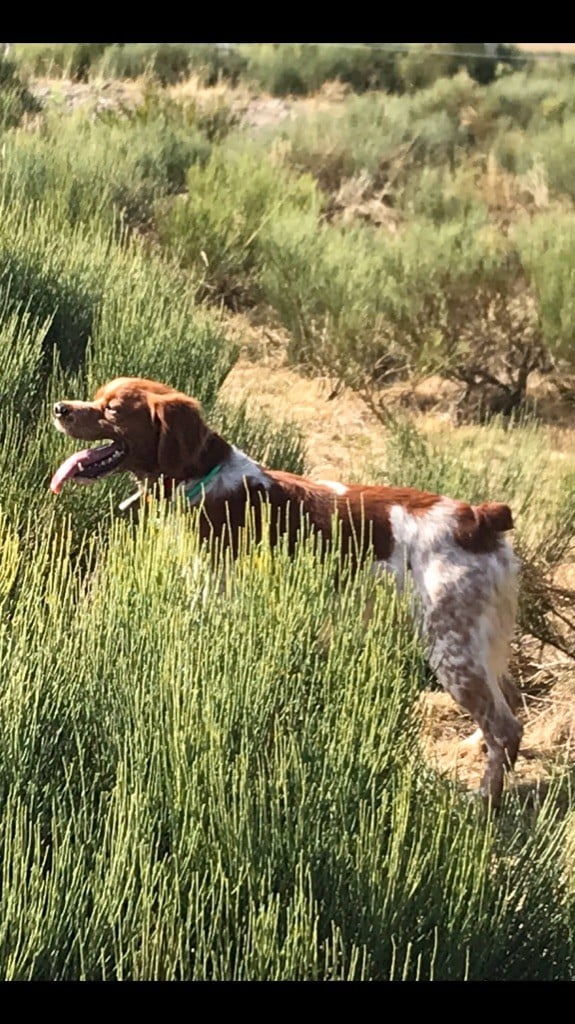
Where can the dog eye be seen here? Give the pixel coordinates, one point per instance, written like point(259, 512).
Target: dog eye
point(111, 408)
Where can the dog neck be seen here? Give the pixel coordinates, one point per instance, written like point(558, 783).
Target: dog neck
point(221, 479)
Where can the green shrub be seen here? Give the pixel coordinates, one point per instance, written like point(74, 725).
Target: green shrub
point(223, 808)
point(91, 286)
point(111, 168)
point(547, 248)
point(448, 95)
point(357, 135)
point(16, 100)
point(371, 295)
point(301, 68)
point(554, 151)
point(449, 297)
point(427, 63)
point(421, 66)
point(335, 315)
point(69, 60)
point(438, 194)
point(216, 229)
point(385, 136)
point(530, 98)
point(170, 62)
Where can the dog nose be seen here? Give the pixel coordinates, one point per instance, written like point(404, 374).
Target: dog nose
point(61, 409)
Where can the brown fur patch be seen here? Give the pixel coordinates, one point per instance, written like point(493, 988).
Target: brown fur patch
point(479, 527)
point(362, 512)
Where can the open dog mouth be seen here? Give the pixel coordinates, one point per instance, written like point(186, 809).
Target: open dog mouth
point(89, 465)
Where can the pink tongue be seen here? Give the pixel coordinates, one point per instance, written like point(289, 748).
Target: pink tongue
point(74, 464)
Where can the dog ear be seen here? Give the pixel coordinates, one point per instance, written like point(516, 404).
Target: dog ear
point(183, 435)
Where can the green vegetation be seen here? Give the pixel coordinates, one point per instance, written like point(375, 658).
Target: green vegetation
point(223, 242)
point(15, 99)
point(221, 777)
point(279, 68)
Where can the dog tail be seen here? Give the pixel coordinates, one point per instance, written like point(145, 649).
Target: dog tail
point(497, 515)
point(478, 527)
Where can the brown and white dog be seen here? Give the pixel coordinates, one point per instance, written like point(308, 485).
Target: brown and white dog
point(464, 571)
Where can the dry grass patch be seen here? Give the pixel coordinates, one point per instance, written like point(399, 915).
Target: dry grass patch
point(102, 93)
point(447, 734)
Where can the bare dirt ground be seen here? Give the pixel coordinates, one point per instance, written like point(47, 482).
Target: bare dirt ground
point(343, 437)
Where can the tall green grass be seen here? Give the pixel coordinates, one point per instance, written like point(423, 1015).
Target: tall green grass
point(105, 167)
point(137, 315)
point(201, 786)
point(16, 100)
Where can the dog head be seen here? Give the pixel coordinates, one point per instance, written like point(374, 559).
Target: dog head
point(151, 430)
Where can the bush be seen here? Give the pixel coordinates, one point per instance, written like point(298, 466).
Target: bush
point(427, 63)
point(385, 136)
point(530, 98)
point(368, 291)
point(547, 248)
point(68, 60)
point(216, 229)
point(439, 194)
point(450, 298)
point(94, 289)
point(111, 168)
point(280, 832)
point(335, 315)
point(301, 68)
point(554, 151)
point(357, 135)
point(15, 98)
point(170, 62)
